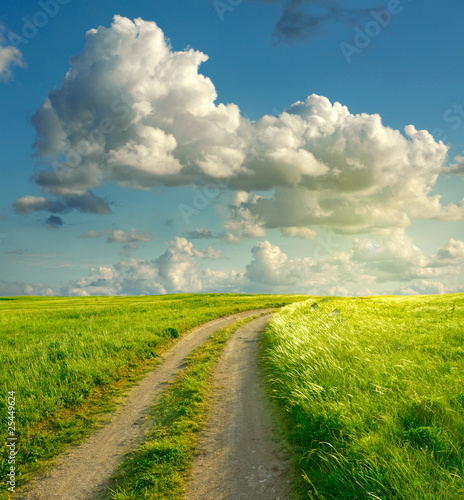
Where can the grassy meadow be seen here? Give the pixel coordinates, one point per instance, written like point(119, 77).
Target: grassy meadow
point(67, 359)
point(373, 395)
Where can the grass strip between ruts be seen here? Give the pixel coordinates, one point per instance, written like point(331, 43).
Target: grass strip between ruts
point(159, 468)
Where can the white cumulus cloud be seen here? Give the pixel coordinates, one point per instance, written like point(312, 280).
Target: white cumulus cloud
point(136, 113)
point(387, 264)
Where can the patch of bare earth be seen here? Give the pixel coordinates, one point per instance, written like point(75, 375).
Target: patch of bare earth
point(84, 471)
point(238, 457)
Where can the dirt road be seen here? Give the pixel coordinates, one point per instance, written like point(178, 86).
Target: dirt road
point(237, 458)
point(83, 472)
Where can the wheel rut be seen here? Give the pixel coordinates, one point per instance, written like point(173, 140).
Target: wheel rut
point(84, 471)
point(238, 457)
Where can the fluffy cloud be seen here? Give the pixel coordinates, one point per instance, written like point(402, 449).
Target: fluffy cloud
point(452, 253)
point(271, 267)
point(87, 202)
point(131, 240)
point(9, 56)
point(20, 288)
point(423, 287)
point(389, 265)
point(133, 112)
point(177, 270)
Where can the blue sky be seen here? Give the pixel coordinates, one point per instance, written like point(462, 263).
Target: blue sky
point(202, 174)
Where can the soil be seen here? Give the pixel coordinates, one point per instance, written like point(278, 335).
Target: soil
point(85, 470)
point(238, 457)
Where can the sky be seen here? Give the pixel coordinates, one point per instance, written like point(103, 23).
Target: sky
point(250, 146)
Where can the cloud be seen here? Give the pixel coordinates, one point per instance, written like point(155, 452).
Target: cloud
point(299, 232)
point(54, 222)
point(302, 19)
point(135, 113)
point(87, 202)
point(131, 240)
point(17, 251)
point(241, 221)
point(91, 234)
point(134, 236)
point(423, 287)
point(176, 270)
point(456, 168)
point(270, 266)
point(452, 253)
point(387, 264)
point(9, 56)
point(21, 288)
point(199, 234)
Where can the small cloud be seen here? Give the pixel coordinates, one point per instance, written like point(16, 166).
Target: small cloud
point(456, 168)
point(91, 234)
point(301, 19)
point(9, 56)
point(128, 248)
point(18, 251)
point(119, 236)
point(54, 222)
point(131, 240)
point(87, 202)
point(199, 234)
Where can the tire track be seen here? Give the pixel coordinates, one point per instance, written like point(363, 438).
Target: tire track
point(84, 471)
point(238, 457)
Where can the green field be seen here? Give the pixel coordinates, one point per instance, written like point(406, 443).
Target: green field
point(370, 389)
point(373, 396)
point(68, 358)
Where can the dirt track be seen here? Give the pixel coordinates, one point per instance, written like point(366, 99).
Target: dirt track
point(83, 472)
point(237, 458)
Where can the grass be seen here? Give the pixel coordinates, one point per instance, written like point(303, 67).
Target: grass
point(373, 395)
point(68, 358)
point(159, 468)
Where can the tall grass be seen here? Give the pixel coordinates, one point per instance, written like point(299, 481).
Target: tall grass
point(67, 358)
point(373, 395)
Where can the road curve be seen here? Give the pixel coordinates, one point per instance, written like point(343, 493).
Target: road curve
point(83, 472)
